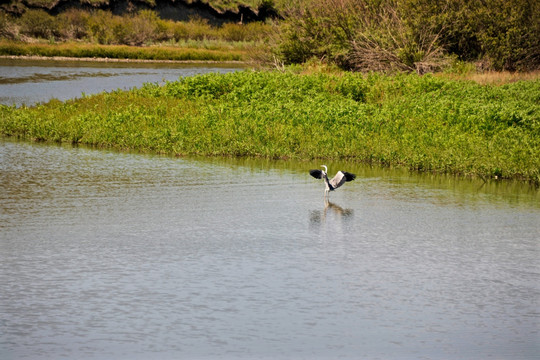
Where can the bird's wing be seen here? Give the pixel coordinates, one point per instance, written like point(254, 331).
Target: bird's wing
point(349, 176)
point(340, 179)
point(317, 174)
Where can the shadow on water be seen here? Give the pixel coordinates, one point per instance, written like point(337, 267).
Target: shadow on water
point(331, 211)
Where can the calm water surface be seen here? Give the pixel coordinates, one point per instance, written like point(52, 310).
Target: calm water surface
point(108, 255)
point(29, 81)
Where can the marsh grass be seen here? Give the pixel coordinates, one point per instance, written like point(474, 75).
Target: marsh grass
point(216, 52)
point(423, 123)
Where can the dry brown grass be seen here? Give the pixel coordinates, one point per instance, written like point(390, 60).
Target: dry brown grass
point(495, 77)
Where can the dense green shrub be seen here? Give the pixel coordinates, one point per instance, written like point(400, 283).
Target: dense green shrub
point(254, 31)
point(141, 28)
point(38, 23)
point(144, 27)
point(72, 24)
point(195, 29)
point(100, 27)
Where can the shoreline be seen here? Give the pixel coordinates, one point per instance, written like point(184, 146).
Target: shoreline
point(118, 60)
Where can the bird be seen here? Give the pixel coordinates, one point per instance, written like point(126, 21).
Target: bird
point(331, 185)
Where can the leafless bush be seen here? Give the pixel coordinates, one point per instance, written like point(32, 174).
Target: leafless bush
point(362, 35)
point(384, 42)
point(8, 29)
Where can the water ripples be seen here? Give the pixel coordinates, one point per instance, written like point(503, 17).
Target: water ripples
point(127, 256)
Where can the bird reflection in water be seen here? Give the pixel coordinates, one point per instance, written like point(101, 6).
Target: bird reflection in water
point(331, 211)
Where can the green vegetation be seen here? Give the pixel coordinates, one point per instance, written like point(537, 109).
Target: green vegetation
point(79, 33)
point(360, 35)
point(460, 121)
point(201, 51)
point(141, 28)
point(426, 123)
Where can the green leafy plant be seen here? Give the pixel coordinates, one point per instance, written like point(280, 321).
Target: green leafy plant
point(424, 123)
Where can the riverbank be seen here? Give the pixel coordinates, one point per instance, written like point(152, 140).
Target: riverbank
point(424, 123)
point(113, 60)
point(217, 52)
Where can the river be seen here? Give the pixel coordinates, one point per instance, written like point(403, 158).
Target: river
point(28, 82)
point(107, 255)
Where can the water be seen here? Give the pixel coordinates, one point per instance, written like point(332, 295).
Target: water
point(130, 256)
point(29, 81)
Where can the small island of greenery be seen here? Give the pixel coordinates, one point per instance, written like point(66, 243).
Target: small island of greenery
point(449, 87)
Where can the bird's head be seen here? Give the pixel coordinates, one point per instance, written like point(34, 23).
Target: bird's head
point(325, 168)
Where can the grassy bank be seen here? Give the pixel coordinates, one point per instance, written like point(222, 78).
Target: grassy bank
point(186, 52)
point(424, 123)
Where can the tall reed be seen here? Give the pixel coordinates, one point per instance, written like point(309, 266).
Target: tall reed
point(77, 50)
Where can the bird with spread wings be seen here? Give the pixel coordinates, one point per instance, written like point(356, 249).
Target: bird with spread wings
point(330, 185)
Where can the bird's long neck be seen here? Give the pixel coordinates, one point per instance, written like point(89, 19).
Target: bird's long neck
point(326, 181)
